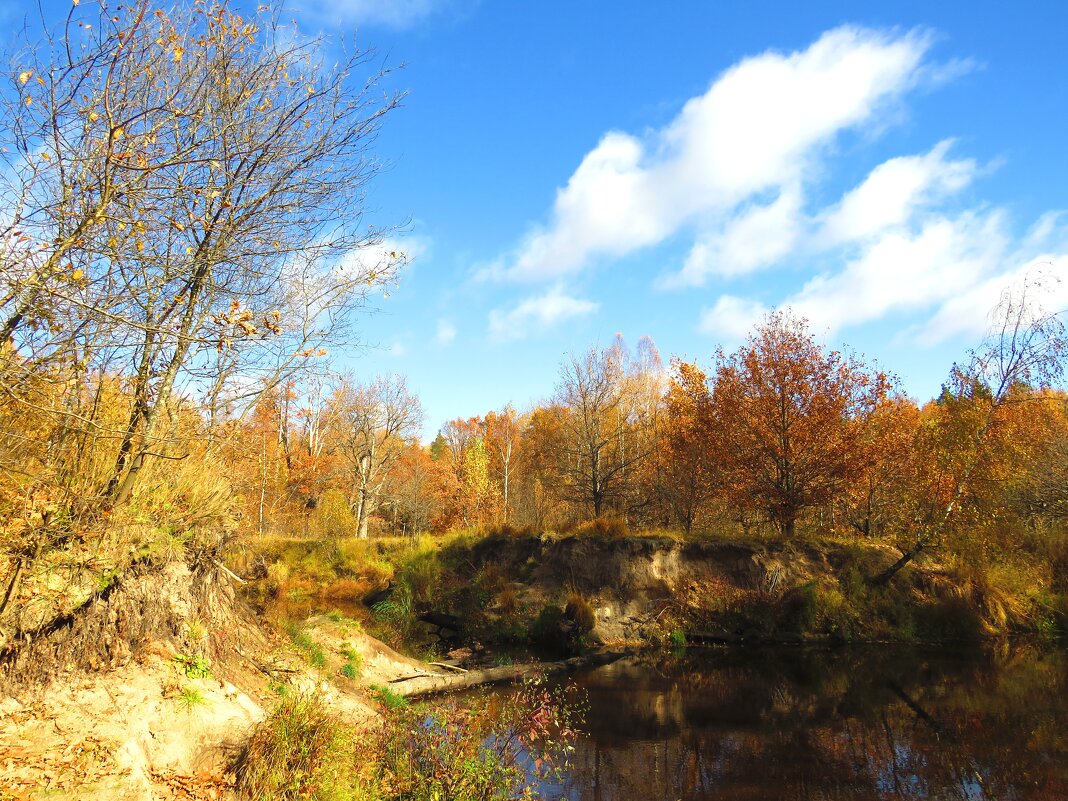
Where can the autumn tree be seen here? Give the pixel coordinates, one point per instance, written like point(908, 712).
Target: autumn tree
point(603, 434)
point(1022, 355)
point(688, 470)
point(534, 495)
point(373, 423)
point(186, 192)
point(790, 420)
point(882, 500)
point(1038, 491)
point(416, 491)
point(504, 437)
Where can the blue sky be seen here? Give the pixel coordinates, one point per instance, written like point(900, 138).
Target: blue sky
point(676, 170)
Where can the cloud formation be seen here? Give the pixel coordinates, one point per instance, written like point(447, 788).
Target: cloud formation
point(538, 314)
point(739, 177)
point(756, 131)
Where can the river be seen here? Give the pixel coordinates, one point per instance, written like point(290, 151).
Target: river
point(824, 724)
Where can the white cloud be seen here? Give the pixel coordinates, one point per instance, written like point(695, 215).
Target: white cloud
point(446, 332)
point(398, 251)
point(950, 270)
point(731, 318)
point(904, 271)
point(968, 313)
point(757, 237)
point(397, 350)
point(757, 130)
point(893, 192)
point(538, 314)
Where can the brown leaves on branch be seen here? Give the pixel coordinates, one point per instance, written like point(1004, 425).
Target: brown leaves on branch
point(791, 420)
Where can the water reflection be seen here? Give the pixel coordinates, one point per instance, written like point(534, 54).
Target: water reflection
point(825, 725)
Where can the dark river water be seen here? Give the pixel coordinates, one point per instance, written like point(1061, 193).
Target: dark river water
point(828, 724)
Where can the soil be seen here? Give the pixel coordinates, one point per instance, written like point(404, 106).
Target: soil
point(133, 716)
point(640, 587)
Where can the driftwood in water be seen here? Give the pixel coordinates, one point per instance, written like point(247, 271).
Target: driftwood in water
point(427, 684)
point(377, 596)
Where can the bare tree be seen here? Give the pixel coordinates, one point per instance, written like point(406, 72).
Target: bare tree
point(600, 437)
point(372, 423)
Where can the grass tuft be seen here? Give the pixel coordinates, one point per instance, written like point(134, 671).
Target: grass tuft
point(299, 752)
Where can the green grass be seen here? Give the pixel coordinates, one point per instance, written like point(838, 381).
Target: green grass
point(194, 667)
point(316, 657)
point(191, 698)
point(388, 698)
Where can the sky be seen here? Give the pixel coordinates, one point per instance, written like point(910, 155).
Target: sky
point(560, 173)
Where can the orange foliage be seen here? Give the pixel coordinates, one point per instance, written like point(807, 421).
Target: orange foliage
point(791, 421)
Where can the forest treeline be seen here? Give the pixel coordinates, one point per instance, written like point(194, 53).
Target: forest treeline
point(780, 436)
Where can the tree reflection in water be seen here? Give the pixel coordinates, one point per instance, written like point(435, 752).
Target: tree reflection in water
point(805, 723)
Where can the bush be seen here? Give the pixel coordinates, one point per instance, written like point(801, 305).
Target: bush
point(476, 751)
point(546, 629)
point(333, 518)
point(819, 610)
point(299, 752)
point(579, 612)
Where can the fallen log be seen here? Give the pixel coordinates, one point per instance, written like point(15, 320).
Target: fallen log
point(428, 684)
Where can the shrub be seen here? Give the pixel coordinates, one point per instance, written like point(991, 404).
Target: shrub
point(816, 609)
point(475, 751)
point(299, 752)
point(333, 518)
point(579, 612)
point(546, 628)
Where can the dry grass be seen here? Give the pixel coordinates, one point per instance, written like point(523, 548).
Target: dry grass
point(604, 526)
point(579, 612)
point(299, 752)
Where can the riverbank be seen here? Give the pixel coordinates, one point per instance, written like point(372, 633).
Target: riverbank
point(158, 685)
point(569, 592)
point(177, 719)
